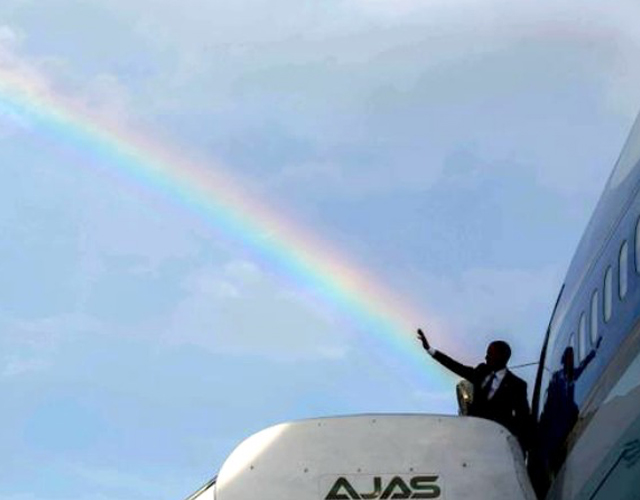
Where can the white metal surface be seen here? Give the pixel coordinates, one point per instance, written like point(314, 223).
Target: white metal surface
point(377, 456)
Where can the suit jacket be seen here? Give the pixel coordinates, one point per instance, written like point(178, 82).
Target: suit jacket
point(508, 406)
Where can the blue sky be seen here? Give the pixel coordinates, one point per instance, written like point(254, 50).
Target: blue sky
point(454, 150)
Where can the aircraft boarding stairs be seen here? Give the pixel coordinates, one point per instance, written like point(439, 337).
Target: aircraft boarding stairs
point(375, 457)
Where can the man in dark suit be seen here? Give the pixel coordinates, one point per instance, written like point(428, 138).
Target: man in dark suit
point(498, 394)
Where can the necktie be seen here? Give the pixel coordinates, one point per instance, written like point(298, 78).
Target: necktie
point(486, 388)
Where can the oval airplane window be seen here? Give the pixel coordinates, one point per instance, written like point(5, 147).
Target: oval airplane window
point(594, 317)
point(623, 268)
point(608, 294)
point(582, 336)
point(638, 246)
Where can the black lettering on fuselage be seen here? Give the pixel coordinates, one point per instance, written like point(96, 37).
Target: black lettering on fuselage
point(377, 489)
point(342, 483)
point(422, 487)
point(395, 484)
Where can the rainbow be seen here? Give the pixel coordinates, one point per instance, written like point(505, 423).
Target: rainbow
point(213, 196)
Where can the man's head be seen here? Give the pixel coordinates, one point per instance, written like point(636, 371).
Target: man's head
point(498, 354)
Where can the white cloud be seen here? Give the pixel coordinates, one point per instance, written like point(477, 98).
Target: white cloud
point(107, 96)
point(10, 37)
point(11, 122)
point(116, 224)
point(399, 92)
point(238, 308)
point(33, 345)
point(354, 78)
point(623, 82)
point(48, 332)
point(101, 96)
point(243, 271)
point(17, 366)
point(345, 76)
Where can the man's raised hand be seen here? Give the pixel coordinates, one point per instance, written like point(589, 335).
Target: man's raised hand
point(423, 339)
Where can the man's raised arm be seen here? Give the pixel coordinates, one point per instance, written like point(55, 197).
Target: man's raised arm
point(464, 371)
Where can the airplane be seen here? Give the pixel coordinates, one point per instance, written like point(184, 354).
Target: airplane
point(585, 404)
point(586, 398)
